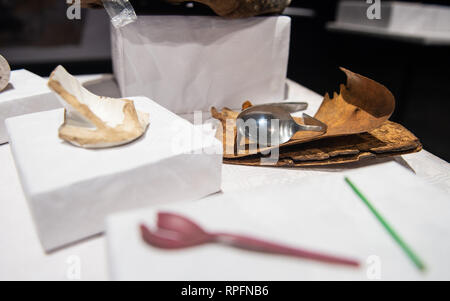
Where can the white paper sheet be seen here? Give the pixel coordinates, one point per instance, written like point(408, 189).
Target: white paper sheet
point(189, 63)
point(321, 213)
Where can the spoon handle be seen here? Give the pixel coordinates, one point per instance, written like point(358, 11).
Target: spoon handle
point(254, 244)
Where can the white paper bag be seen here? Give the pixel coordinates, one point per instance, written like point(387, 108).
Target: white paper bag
point(189, 63)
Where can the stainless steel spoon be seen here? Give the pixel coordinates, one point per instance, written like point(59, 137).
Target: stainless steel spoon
point(272, 124)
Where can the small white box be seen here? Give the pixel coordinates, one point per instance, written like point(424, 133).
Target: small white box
point(71, 190)
point(26, 93)
point(190, 63)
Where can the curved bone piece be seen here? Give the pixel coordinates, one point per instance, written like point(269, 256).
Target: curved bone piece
point(92, 121)
point(5, 73)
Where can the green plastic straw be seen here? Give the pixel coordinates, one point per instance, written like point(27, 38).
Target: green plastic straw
point(414, 258)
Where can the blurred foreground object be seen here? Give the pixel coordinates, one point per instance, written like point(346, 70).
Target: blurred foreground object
point(178, 232)
point(5, 72)
point(227, 8)
point(427, 24)
point(358, 127)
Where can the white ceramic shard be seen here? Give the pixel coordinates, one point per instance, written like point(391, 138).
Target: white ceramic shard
point(92, 121)
point(5, 72)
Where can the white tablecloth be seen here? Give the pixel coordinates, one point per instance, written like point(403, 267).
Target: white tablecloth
point(22, 257)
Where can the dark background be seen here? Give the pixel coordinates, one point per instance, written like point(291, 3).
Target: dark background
point(417, 74)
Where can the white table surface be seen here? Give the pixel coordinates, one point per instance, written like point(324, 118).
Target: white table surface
point(22, 257)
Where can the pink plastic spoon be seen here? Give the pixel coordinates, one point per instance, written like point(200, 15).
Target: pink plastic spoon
point(177, 232)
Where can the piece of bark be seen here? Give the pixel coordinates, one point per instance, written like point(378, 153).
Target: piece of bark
point(390, 139)
point(361, 106)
